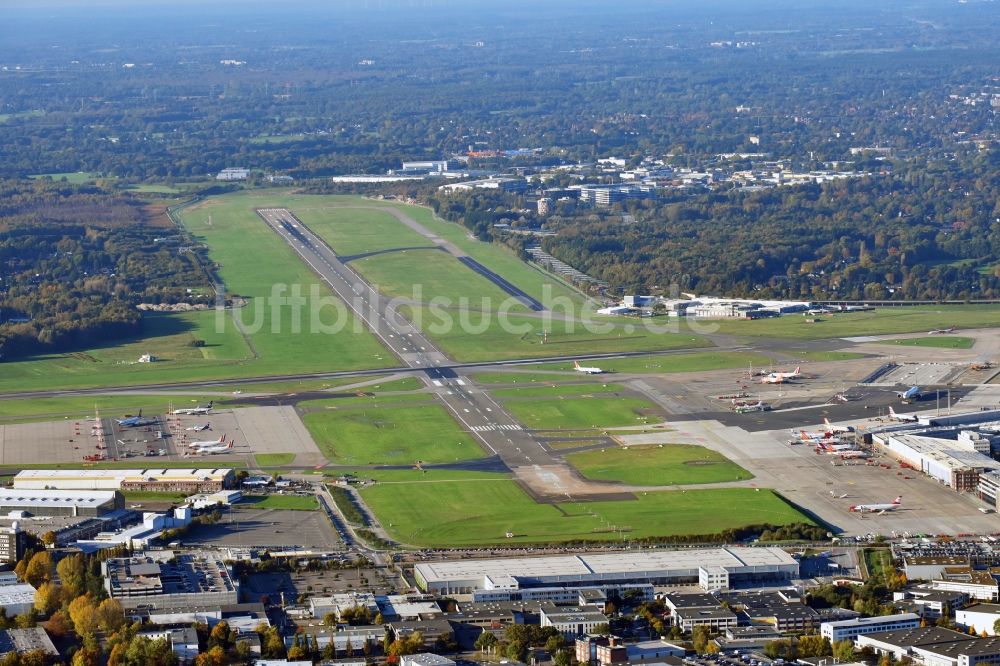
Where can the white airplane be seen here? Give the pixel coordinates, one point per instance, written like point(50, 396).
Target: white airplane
point(835, 428)
point(905, 418)
point(194, 411)
point(877, 508)
point(940, 331)
point(214, 442)
point(781, 377)
point(816, 436)
point(586, 370)
point(212, 450)
point(199, 428)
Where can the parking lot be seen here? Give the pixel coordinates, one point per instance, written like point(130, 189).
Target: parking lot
point(271, 528)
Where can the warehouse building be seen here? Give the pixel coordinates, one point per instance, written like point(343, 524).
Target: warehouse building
point(981, 618)
point(60, 502)
point(956, 466)
point(17, 598)
point(22, 641)
point(607, 571)
point(164, 579)
point(185, 480)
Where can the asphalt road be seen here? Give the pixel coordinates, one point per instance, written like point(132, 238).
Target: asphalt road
point(478, 412)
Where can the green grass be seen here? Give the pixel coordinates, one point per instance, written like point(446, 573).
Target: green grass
point(34, 113)
point(393, 435)
point(663, 363)
point(557, 390)
point(518, 377)
point(154, 188)
point(351, 231)
point(879, 563)
point(574, 443)
point(153, 496)
point(668, 465)
point(450, 509)
point(495, 336)
point(363, 402)
point(882, 321)
point(75, 177)
point(827, 355)
point(27, 410)
point(940, 342)
point(273, 459)
point(342, 498)
point(582, 412)
point(285, 502)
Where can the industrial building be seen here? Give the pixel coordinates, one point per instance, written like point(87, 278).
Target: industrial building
point(842, 630)
point(501, 183)
point(164, 579)
point(17, 598)
point(571, 621)
point(23, 641)
point(185, 480)
point(952, 462)
point(13, 541)
point(599, 570)
point(60, 502)
point(607, 195)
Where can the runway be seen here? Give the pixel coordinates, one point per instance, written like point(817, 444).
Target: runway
point(472, 406)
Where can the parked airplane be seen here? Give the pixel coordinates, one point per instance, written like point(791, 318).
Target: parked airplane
point(135, 421)
point(212, 450)
point(835, 428)
point(877, 508)
point(194, 411)
point(199, 428)
point(214, 442)
point(909, 394)
point(901, 417)
point(781, 377)
point(586, 370)
point(938, 331)
point(823, 436)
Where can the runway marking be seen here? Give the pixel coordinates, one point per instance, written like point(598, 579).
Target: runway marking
point(460, 382)
point(436, 382)
point(496, 426)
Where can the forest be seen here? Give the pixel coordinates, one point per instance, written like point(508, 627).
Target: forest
point(75, 261)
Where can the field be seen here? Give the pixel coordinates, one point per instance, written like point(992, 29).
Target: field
point(940, 342)
point(74, 177)
point(501, 336)
point(518, 377)
point(674, 464)
point(578, 408)
point(390, 436)
point(351, 231)
point(273, 459)
point(285, 502)
point(882, 321)
point(442, 509)
point(827, 355)
point(693, 362)
point(28, 410)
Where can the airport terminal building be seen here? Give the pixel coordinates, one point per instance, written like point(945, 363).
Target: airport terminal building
point(514, 579)
point(185, 480)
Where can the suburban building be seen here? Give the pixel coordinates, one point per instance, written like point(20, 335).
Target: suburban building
point(233, 173)
point(26, 640)
point(979, 617)
point(928, 602)
point(183, 642)
point(607, 195)
point(688, 611)
point(899, 644)
point(186, 480)
point(974, 583)
point(571, 621)
point(603, 570)
point(13, 541)
point(425, 659)
point(164, 579)
point(17, 598)
point(60, 502)
point(850, 629)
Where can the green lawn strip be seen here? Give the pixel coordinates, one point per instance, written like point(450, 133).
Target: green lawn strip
point(656, 465)
point(940, 342)
point(154, 496)
point(74, 177)
point(441, 510)
point(396, 435)
point(500, 336)
point(663, 363)
point(574, 443)
point(353, 231)
point(285, 502)
point(26, 410)
point(519, 377)
point(342, 498)
point(881, 321)
point(423, 275)
point(273, 459)
point(559, 390)
point(375, 401)
point(582, 411)
point(826, 355)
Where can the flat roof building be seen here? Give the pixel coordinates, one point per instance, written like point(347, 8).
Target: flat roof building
point(664, 567)
point(60, 502)
point(26, 640)
point(193, 480)
point(851, 629)
point(163, 579)
point(17, 599)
